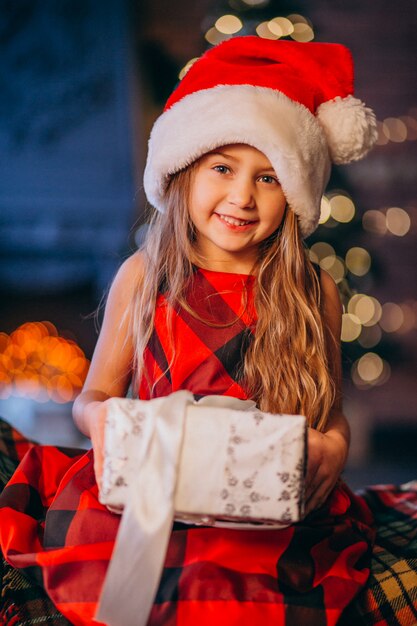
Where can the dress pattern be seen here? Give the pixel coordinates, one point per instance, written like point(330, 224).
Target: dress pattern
point(54, 529)
point(209, 344)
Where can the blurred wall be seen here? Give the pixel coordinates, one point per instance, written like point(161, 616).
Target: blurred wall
point(67, 190)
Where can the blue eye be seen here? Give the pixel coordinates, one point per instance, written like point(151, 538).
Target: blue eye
point(268, 179)
point(222, 169)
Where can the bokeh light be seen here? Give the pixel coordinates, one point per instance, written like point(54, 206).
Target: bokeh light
point(281, 26)
point(228, 24)
point(370, 367)
point(351, 327)
point(366, 308)
point(395, 221)
point(411, 125)
point(334, 266)
point(397, 129)
point(302, 32)
point(394, 129)
point(321, 250)
point(256, 3)
point(358, 261)
point(370, 370)
point(383, 137)
point(186, 67)
point(324, 254)
point(263, 30)
point(295, 26)
point(392, 317)
point(36, 362)
point(374, 222)
point(214, 36)
point(324, 210)
point(297, 18)
point(410, 317)
point(342, 208)
point(398, 221)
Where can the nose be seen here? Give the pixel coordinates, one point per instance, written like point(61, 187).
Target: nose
point(241, 192)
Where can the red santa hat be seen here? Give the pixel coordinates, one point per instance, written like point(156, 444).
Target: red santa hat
point(292, 101)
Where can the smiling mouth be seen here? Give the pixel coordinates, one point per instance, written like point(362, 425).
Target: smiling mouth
point(234, 221)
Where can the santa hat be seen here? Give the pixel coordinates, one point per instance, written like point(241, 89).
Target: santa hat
point(292, 101)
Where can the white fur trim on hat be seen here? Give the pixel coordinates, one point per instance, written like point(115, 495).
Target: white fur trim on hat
point(350, 128)
point(286, 132)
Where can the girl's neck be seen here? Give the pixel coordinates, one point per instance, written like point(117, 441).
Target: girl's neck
point(226, 266)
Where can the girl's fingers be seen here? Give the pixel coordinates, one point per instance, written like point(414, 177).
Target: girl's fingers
point(310, 489)
point(317, 496)
point(315, 502)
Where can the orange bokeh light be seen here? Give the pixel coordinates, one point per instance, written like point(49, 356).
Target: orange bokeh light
point(36, 362)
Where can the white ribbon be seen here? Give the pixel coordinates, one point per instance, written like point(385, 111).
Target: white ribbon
point(135, 568)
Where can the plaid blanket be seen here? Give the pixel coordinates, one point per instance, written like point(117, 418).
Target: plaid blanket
point(22, 600)
point(388, 599)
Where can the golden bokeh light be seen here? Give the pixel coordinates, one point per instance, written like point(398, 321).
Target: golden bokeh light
point(370, 370)
point(255, 3)
point(302, 32)
point(342, 208)
point(374, 222)
point(366, 308)
point(351, 327)
point(370, 367)
point(383, 137)
point(335, 267)
point(358, 261)
point(214, 36)
point(395, 129)
point(296, 18)
point(411, 125)
point(186, 67)
point(263, 30)
point(398, 221)
point(324, 210)
point(36, 362)
point(410, 317)
point(281, 26)
point(392, 317)
point(321, 250)
point(228, 24)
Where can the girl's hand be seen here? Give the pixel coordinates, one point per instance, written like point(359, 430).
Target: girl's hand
point(327, 453)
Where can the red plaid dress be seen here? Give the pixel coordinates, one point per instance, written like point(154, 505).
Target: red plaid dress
point(53, 527)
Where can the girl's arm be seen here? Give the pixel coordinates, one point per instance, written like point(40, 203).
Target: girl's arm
point(110, 370)
point(328, 450)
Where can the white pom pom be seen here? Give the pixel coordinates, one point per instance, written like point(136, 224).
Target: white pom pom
point(349, 126)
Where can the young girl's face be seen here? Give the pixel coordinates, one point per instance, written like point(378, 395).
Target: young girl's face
point(236, 202)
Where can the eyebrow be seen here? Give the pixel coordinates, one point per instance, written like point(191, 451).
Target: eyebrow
point(232, 158)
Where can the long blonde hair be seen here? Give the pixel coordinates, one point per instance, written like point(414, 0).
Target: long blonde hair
point(285, 369)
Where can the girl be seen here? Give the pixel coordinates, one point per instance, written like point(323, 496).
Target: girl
point(222, 299)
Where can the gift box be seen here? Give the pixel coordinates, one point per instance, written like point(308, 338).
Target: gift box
point(235, 464)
